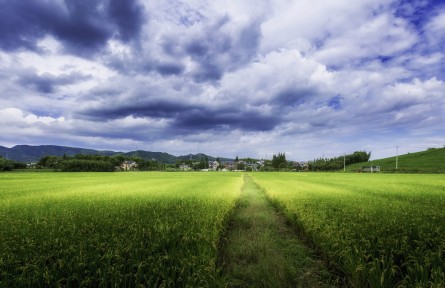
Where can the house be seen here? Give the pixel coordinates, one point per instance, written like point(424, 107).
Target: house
point(184, 167)
point(213, 165)
point(129, 166)
point(254, 166)
point(300, 166)
point(371, 169)
point(230, 165)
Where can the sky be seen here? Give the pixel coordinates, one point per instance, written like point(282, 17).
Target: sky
point(309, 78)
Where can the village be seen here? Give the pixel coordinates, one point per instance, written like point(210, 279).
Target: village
point(224, 166)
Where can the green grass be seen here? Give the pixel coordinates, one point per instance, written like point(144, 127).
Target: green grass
point(430, 161)
point(113, 229)
point(379, 230)
point(263, 251)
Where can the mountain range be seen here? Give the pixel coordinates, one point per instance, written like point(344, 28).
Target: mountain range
point(29, 154)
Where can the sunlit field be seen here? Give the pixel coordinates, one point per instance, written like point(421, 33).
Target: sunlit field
point(113, 229)
point(163, 229)
point(379, 230)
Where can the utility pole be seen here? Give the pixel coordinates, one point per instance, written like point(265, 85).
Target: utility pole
point(397, 157)
point(344, 162)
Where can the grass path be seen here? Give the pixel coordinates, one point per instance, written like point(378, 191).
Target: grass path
point(263, 251)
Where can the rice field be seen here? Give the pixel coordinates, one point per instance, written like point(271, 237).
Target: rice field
point(379, 230)
point(154, 229)
point(113, 229)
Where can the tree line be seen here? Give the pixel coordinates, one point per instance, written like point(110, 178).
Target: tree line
point(95, 163)
point(337, 163)
point(9, 165)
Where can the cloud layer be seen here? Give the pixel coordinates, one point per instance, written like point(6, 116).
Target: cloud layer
point(308, 78)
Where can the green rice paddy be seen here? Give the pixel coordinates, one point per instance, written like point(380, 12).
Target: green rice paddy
point(379, 230)
point(113, 229)
point(159, 229)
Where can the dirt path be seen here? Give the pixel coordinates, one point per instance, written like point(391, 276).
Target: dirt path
point(263, 251)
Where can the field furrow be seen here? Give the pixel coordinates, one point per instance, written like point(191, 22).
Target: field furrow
point(261, 250)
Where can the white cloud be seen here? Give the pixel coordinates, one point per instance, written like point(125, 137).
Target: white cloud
point(14, 116)
point(437, 24)
point(314, 20)
point(383, 35)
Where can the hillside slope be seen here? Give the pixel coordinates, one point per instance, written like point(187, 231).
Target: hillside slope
point(28, 153)
point(429, 161)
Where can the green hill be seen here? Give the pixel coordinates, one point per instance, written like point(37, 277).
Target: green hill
point(28, 153)
point(148, 155)
point(429, 161)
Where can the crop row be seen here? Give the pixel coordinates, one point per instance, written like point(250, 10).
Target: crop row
point(109, 230)
point(378, 230)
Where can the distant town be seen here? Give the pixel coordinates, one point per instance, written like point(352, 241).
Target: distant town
point(70, 159)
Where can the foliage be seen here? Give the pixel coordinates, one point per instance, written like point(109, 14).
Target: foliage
point(9, 165)
point(240, 165)
point(279, 161)
point(95, 163)
point(82, 165)
point(50, 162)
point(113, 230)
point(381, 230)
point(6, 165)
point(337, 163)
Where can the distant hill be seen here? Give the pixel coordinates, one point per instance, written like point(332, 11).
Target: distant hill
point(199, 156)
point(28, 153)
point(429, 161)
point(147, 155)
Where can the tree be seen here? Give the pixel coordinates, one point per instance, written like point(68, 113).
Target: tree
point(6, 165)
point(82, 165)
point(49, 162)
point(279, 162)
point(240, 166)
point(336, 163)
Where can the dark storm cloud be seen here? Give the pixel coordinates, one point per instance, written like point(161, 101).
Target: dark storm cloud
point(293, 96)
point(208, 72)
point(188, 117)
point(47, 83)
point(129, 17)
point(154, 109)
point(166, 69)
point(197, 49)
point(206, 52)
point(209, 119)
point(216, 49)
point(82, 26)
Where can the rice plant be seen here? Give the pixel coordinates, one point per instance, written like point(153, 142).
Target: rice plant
point(378, 230)
point(113, 230)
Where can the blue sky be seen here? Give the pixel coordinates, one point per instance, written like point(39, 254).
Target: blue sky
point(310, 78)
